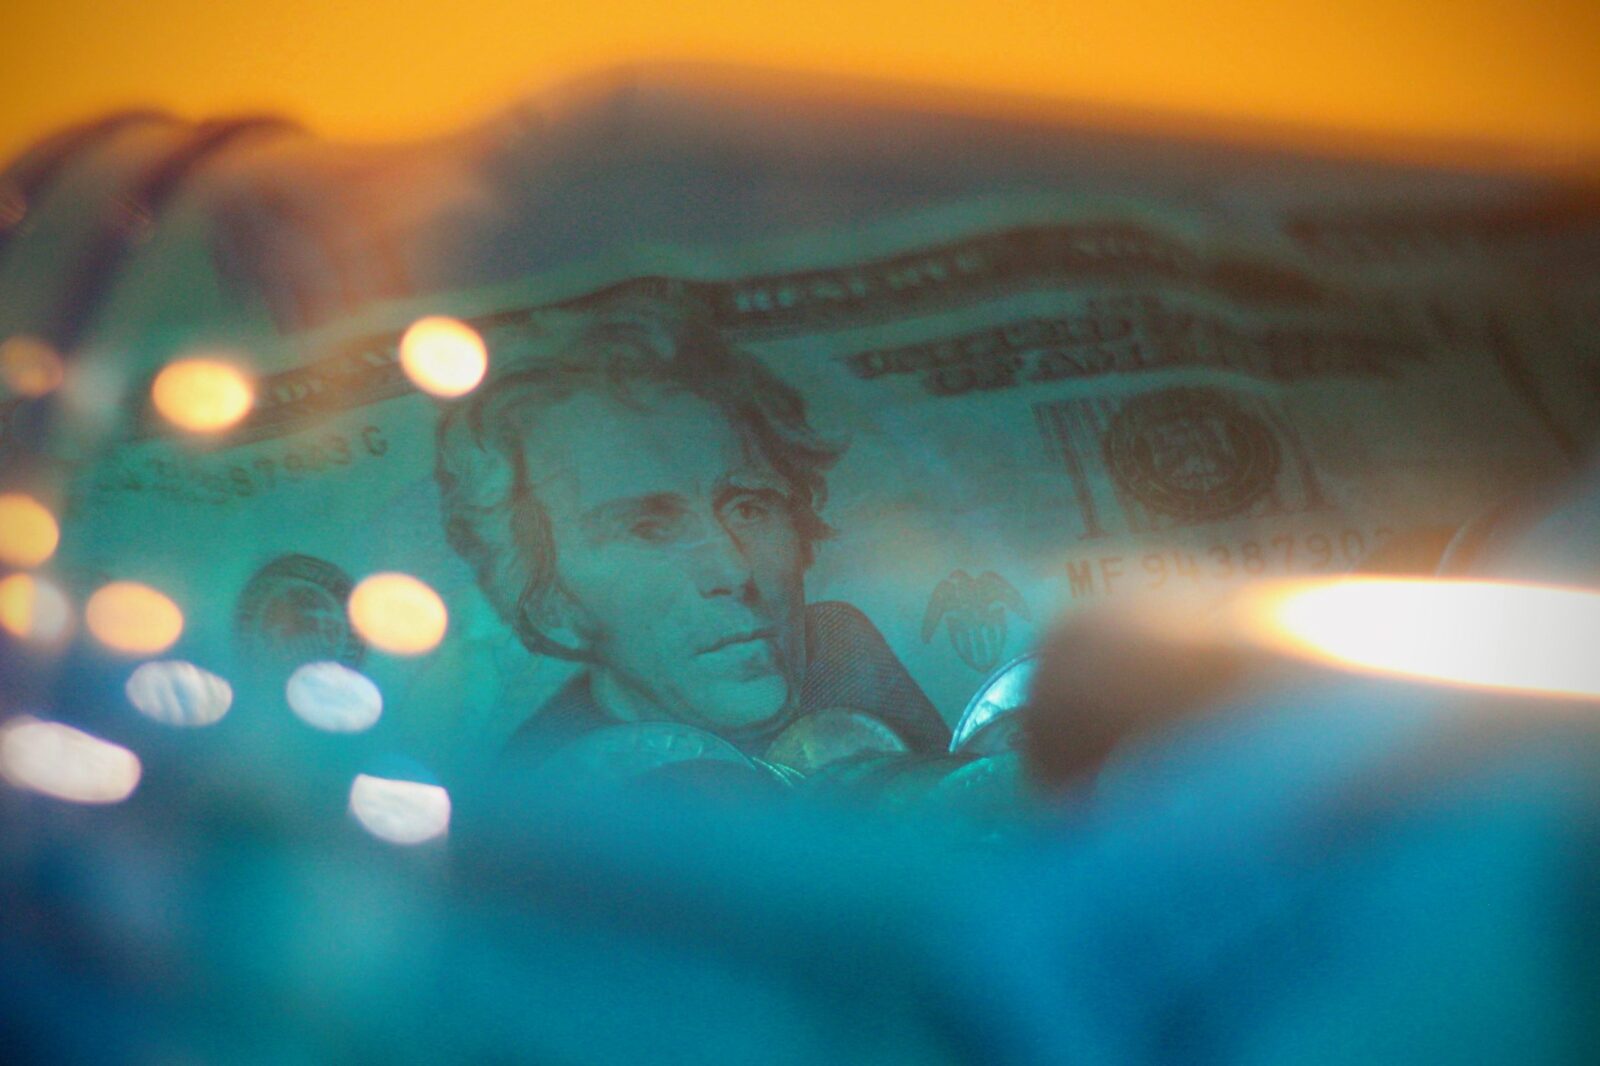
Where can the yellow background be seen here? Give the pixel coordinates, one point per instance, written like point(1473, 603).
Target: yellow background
point(1525, 74)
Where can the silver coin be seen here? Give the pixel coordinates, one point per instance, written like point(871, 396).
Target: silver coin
point(830, 736)
point(1000, 696)
point(994, 785)
point(1001, 736)
point(786, 775)
point(631, 749)
point(887, 782)
point(913, 784)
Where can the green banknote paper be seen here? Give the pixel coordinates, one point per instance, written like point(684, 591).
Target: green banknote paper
point(1031, 408)
point(920, 437)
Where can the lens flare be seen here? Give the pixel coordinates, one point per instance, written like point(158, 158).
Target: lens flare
point(28, 531)
point(334, 697)
point(443, 356)
point(1522, 637)
point(34, 609)
point(178, 693)
point(202, 395)
point(132, 618)
point(29, 367)
point(66, 763)
point(401, 812)
point(398, 614)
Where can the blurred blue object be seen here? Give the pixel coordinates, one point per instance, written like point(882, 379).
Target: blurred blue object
point(1353, 872)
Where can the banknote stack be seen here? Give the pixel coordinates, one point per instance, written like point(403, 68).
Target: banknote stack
point(806, 412)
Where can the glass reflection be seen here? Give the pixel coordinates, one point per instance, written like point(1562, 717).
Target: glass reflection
point(334, 697)
point(132, 618)
point(443, 356)
point(401, 812)
point(29, 367)
point(398, 614)
point(28, 531)
point(66, 763)
point(202, 395)
point(178, 693)
point(34, 609)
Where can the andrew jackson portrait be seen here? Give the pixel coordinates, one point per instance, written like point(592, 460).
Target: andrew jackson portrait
point(636, 494)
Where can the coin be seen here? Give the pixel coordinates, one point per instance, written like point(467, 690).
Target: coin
point(833, 735)
point(1000, 735)
point(888, 782)
point(914, 783)
point(1005, 692)
point(630, 750)
point(988, 787)
point(786, 775)
point(858, 778)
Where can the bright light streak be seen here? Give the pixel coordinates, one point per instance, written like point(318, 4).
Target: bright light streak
point(132, 618)
point(29, 367)
point(66, 763)
point(330, 696)
point(1528, 638)
point(401, 812)
point(443, 356)
point(28, 531)
point(398, 614)
point(34, 609)
point(178, 693)
point(202, 395)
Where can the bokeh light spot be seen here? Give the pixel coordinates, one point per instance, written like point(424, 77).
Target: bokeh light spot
point(34, 609)
point(202, 395)
point(398, 614)
point(132, 618)
point(334, 697)
point(66, 763)
point(443, 356)
point(29, 367)
point(175, 692)
point(1499, 635)
point(401, 812)
point(28, 531)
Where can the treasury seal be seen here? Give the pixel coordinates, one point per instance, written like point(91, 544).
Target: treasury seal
point(292, 611)
point(1191, 453)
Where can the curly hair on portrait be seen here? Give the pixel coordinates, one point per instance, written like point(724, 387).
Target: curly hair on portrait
point(494, 519)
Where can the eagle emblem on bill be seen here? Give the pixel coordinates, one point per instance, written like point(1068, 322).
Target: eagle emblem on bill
point(973, 610)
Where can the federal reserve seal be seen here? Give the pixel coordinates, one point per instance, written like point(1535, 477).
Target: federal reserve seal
point(292, 611)
point(1192, 453)
point(974, 613)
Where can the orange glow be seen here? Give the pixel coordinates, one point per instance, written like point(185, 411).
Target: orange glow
point(28, 531)
point(28, 366)
point(398, 614)
point(1528, 638)
point(443, 356)
point(132, 618)
point(202, 395)
point(66, 763)
point(1497, 69)
point(33, 609)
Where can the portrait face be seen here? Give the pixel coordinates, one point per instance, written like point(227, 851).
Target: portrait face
point(678, 567)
